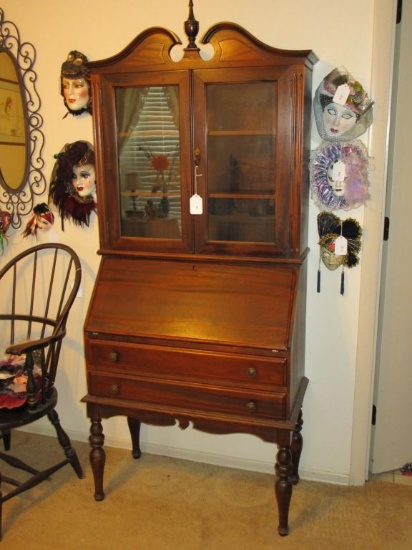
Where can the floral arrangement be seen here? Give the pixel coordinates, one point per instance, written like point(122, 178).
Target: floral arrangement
point(164, 168)
point(357, 99)
point(5, 219)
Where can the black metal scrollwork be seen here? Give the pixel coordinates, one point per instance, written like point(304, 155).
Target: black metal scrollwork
point(19, 202)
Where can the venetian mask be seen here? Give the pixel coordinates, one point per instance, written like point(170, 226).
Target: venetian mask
point(328, 256)
point(42, 219)
point(76, 93)
point(73, 183)
point(343, 110)
point(340, 244)
point(84, 180)
point(339, 175)
point(337, 120)
point(75, 83)
point(338, 185)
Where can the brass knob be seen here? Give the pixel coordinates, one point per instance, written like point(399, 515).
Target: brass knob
point(113, 356)
point(115, 389)
point(251, 406)
point(251, 372)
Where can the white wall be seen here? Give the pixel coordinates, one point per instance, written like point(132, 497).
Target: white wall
point(340, 34)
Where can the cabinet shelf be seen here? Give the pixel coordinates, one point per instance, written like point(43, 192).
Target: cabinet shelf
point(225, 133)
point(242, 196)
point(149, 194)
point(149, 133)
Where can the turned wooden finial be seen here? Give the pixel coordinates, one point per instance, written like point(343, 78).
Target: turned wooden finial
point(191, 29)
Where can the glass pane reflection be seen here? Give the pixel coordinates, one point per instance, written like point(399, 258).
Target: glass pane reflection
point(241, 142)
point(149, 161)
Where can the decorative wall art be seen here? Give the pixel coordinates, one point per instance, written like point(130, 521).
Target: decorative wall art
point(340, 244)
point(73, 183)
point(343, 110)
point(75, 84)
point(5, 219)
point(42, 219)
point(339, 168)
point(339, 175)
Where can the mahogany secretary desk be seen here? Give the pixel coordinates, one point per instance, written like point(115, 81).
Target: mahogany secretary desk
point(198, 310)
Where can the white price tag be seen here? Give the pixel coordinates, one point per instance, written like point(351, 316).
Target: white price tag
point(341, 94)
point(338, 171)
point(196, 204)
point(341, 246)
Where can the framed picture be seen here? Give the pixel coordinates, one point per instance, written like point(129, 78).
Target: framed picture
point(12, 129)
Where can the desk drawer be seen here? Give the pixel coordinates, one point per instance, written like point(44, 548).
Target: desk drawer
point(189, 396)
point(173, 363)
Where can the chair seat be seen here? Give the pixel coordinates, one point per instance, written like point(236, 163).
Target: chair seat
point(14, 418)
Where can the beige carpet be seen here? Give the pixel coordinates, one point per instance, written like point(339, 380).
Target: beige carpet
point(158, 503)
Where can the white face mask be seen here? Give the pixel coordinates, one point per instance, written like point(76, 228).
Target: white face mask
point(76, 93)
point(338, 119)
point(84, 179)
point(339, 187)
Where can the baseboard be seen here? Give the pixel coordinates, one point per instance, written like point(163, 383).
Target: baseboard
point(202, 457)
point(241, 463)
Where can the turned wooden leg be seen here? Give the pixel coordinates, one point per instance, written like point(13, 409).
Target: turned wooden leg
point(1, 510)
point(296, 448)
point(16, 463)
point(6, 436)
point(97, 456)
point(134, 428)
point(283, 486)
point(65, 443)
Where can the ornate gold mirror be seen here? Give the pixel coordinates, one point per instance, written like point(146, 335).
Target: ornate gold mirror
point(21, 138)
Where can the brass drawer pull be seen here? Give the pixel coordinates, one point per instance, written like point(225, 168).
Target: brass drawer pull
point(115, 389)
point(113, 356)
point(251, 406)
point(251, 371)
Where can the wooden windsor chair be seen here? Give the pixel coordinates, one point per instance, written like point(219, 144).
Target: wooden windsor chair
point(38, 288)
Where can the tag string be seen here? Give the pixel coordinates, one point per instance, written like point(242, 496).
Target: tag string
point(197, 175)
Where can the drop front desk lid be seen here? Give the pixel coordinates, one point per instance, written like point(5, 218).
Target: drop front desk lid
point(194, 303)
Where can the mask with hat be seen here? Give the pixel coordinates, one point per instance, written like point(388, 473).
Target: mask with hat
point(75, 84)
point(343, 110)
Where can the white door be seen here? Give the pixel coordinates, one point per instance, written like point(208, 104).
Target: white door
point(391, 443)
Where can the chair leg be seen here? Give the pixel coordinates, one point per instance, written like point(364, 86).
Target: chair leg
point(17, 463)
point(1, 510)
point(66, 444)
point(6, 436)
point(134, 428)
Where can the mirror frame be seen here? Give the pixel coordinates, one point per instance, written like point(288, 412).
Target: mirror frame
point(19, 202)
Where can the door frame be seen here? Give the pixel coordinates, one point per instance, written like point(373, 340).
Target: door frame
point(383, 48)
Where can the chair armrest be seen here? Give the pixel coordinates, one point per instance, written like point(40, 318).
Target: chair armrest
point(32, 345)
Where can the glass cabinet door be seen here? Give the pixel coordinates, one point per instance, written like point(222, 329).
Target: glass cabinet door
point(224, 135)
point(149, 161)
point(241, 161)
point(145, 158)
point(242, 140)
